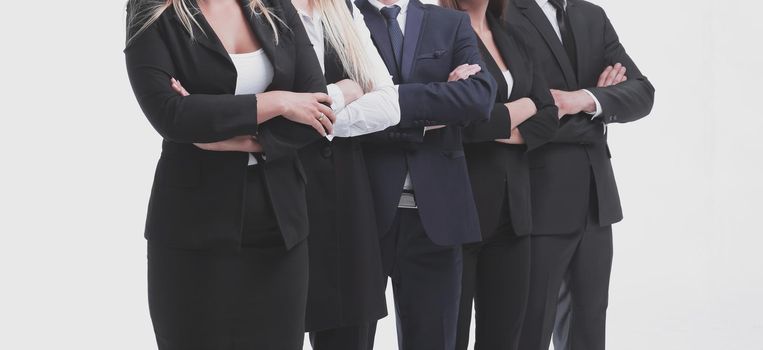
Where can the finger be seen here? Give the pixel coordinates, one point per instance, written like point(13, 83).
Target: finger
point(612, 74)
point(328, 112)
point(458, 68)
point(620, 75)
point(183, 91)
point(603, 76)
point(318, 127)
point(326, 122)
point(625, 78)
point(323, 98)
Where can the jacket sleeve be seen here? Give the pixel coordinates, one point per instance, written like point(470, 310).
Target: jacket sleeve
point(279, 136)
point(630, 100)
point(451, 103)
point(542, 127)
point(189, 119)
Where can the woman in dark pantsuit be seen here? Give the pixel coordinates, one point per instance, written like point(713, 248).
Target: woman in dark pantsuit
point(345, 292)
point(496, 270)
point(227, 218)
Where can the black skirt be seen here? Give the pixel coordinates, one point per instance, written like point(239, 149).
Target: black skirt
point(252, 299)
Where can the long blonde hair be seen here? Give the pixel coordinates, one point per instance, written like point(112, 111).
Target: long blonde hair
point(341, 34)
point(142, 13)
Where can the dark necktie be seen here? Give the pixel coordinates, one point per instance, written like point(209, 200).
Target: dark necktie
point(568, 40)
point(395, 34)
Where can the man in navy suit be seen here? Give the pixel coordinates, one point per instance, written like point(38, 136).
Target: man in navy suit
point(423, 200)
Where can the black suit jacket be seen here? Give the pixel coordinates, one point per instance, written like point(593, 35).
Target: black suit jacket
point(437, 40)
point(196, 201)
point(579, 156)
point(501, 173)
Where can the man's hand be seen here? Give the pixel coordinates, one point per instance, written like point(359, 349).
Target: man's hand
point(573, 102)
point(464, 71)
point(235, 144)
point(612, 76)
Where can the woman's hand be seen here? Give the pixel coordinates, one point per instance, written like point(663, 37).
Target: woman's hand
point(516, 138)
point(235, 144)
point(307, 108)
point(464, 71)
point(521, 110)
point(350, 89)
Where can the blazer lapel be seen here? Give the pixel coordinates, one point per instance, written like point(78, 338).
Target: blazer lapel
point(378, 28)
point(509, 52)
point(577, 21)
point(538, 19)
point(413, 24)
point(205, 35)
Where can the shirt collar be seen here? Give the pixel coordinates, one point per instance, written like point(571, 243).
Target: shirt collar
point(402, 3)
point(542, 3)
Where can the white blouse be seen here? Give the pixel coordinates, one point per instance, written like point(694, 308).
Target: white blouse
point(255, 73)
point(509, 81)
point(374, 111)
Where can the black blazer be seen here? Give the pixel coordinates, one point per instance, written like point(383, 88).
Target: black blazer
point(436, 41)
point(564, 169)
point(499, 172)
point(196, 201)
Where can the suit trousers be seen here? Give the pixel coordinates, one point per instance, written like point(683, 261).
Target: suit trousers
point(247, 300)
point(426, 281)
point(496, 279)
point(346, 338)
point(584, 258)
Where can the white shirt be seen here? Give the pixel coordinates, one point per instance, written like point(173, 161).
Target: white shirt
point(374, 111)
point(255, 73)
point(550, 12)
point(509, 81)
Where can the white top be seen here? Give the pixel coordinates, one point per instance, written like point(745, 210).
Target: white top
point(255, 73)
point(374, 111)
point(509, 81)
point(550, 12)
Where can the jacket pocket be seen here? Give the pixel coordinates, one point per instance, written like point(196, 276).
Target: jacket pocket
point(174, 171)
point(432, 55)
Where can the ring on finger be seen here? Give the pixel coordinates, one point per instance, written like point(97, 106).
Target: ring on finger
point(321, 117)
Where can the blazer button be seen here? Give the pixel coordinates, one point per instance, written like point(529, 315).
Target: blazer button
point(326, 152)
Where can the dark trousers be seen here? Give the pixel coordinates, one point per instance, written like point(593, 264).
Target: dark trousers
point(247, 300)
point(563, 317)
point(496, 277)
point(426, 281)
point(347, 338)
point(585, 259)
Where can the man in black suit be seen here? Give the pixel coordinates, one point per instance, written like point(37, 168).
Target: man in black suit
point(424, 204)
point(575, 198)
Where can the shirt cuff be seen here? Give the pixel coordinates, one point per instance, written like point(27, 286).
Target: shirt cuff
point(598, 105)
point(337, 97)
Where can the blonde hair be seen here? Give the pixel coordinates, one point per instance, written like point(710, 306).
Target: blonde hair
point(341, 34)
point(142, 13)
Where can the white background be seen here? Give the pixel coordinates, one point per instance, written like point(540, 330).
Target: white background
point(78, 157)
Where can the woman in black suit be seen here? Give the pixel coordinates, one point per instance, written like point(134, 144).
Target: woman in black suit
point(227, 218)
point(496, 271)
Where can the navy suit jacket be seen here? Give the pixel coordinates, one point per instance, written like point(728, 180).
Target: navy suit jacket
point(436, 41)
